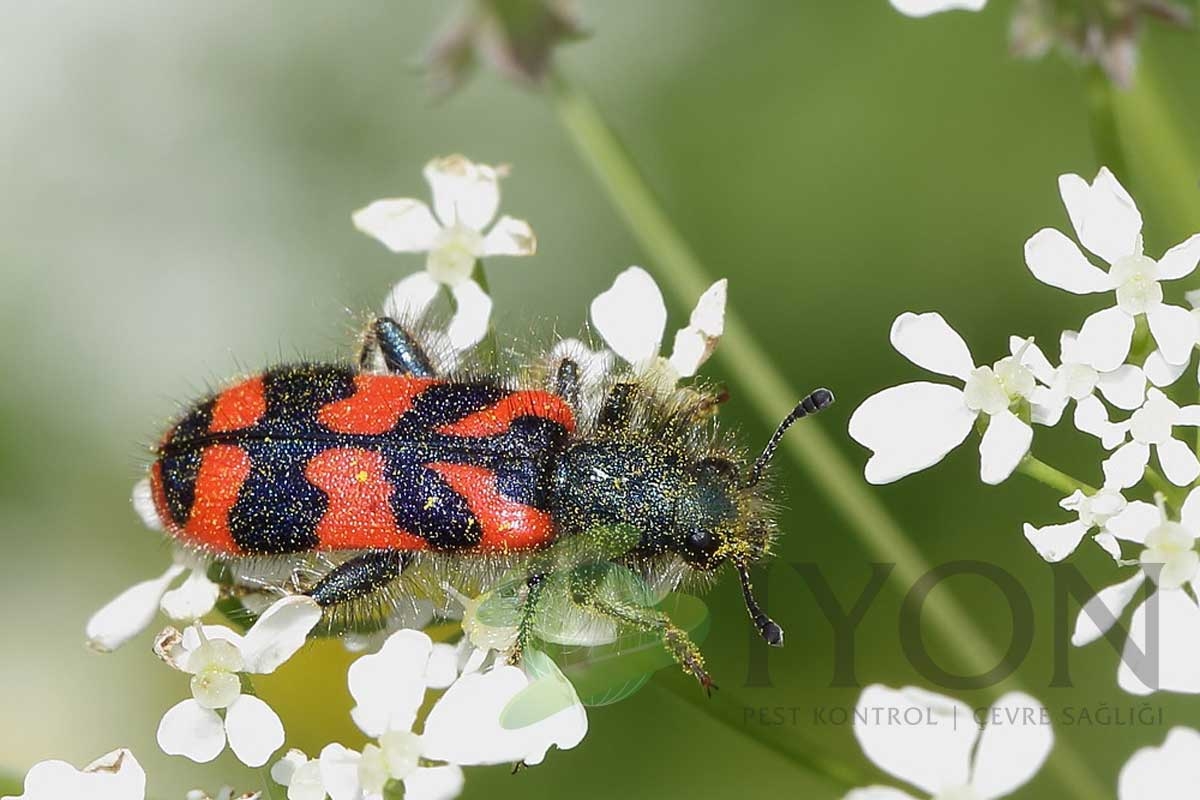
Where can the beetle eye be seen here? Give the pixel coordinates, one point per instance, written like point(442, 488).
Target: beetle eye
point(702, 541)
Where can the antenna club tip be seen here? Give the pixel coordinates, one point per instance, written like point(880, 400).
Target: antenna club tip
point(822, 398)
point(771, 632)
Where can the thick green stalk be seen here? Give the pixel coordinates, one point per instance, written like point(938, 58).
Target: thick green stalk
point(771, 395)
point(1054, 478)
point(1102, 122)
point(840, 776)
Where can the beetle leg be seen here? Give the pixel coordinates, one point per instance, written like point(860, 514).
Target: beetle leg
point(567, 380)
point(617, 406)
point(534, 585)
point(359, 576)
point(685, 652)
point(402, 354)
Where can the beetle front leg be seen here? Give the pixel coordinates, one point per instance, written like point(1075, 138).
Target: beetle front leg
point(402, 353)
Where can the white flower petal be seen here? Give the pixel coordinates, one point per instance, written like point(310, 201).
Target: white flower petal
point(339, 772)
point(692, 348)
point(464, 726)
point(1178, 646)
point(1180, 260)
point(143, 503)
point(1047, 405)
point(1104, 339)
point(917, 736)
point(129, 613)
point(1188, 415)
point(1179, 463)
point(1056, 542)
point(509, 237)
point(1105, 217)
point(464, 192)
point(442, 669)
point(1091, 417)
point(113, 776)
point(388, 686)
point(1161, 372)
point(434, 783)
point(1109, 544)
point(928, 341)
point(189, 729)
point(409, 298)
point(1013, 746)
point(285, 768)
point(1174, 330)
point(923, 8)
point(1057, 261)
point(631, 316)
point(472, 310)
point(1004, 444)
point(306, 783)
point(255, 730)
point(401, 224)
point(878, 793)
point(279, 632)
point(909, 428)
point(1126, 466)
point(708, 316)
point(1157, 773)
point(1124, 387)
point(1134, 521)
point(1032, 357)
point(1189, 513)
point(194, 598)
point(1102, 611)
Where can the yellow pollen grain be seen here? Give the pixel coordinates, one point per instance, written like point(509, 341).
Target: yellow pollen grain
point(362, 476)
point(430, 503)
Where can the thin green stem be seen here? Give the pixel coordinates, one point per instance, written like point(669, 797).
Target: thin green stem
point(839, 775)
point(772, 395)
point(1054, 478)
point(1102, 121)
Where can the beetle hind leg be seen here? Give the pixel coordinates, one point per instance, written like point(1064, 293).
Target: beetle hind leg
point(358, 577)
point(402, 353)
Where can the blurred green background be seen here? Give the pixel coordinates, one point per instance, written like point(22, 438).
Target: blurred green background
point(178, 180)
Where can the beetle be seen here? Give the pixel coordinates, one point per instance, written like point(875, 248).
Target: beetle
point(385, 467)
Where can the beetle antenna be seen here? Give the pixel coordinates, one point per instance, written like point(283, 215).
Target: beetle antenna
point(814, 402)
point(768, 629)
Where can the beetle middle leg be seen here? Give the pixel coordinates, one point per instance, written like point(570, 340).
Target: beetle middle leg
point(359, 577)
point(626, 612)
point(402, 354)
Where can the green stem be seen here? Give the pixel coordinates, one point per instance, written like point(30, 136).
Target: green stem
point(1166, 156)
point(1102, 121)
point(1054, 478)
point(1174, 495)
point(840, 776)
point(772, 395)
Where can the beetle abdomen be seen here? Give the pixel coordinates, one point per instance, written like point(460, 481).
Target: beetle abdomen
point(317, 457)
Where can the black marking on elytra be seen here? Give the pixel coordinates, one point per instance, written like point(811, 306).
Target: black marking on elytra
point(181, 464)
point(425, 505)
point(278, 510)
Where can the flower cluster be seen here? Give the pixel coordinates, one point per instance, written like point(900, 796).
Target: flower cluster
point(1121, 370)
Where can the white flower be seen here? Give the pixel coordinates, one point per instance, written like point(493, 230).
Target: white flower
point(1157, 773)
point(934, 743)
point(632, 318)
point(216, 657)
point(301, 775)
point(1056, 542)
point(1108, 223)
point(913, 426)
point(114, 776)
point(1073, 379)
point(1169, 558)
point(466, 196)
point(225, 793)
point(923, 8)
point(1153, 425)
point(132, 611)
